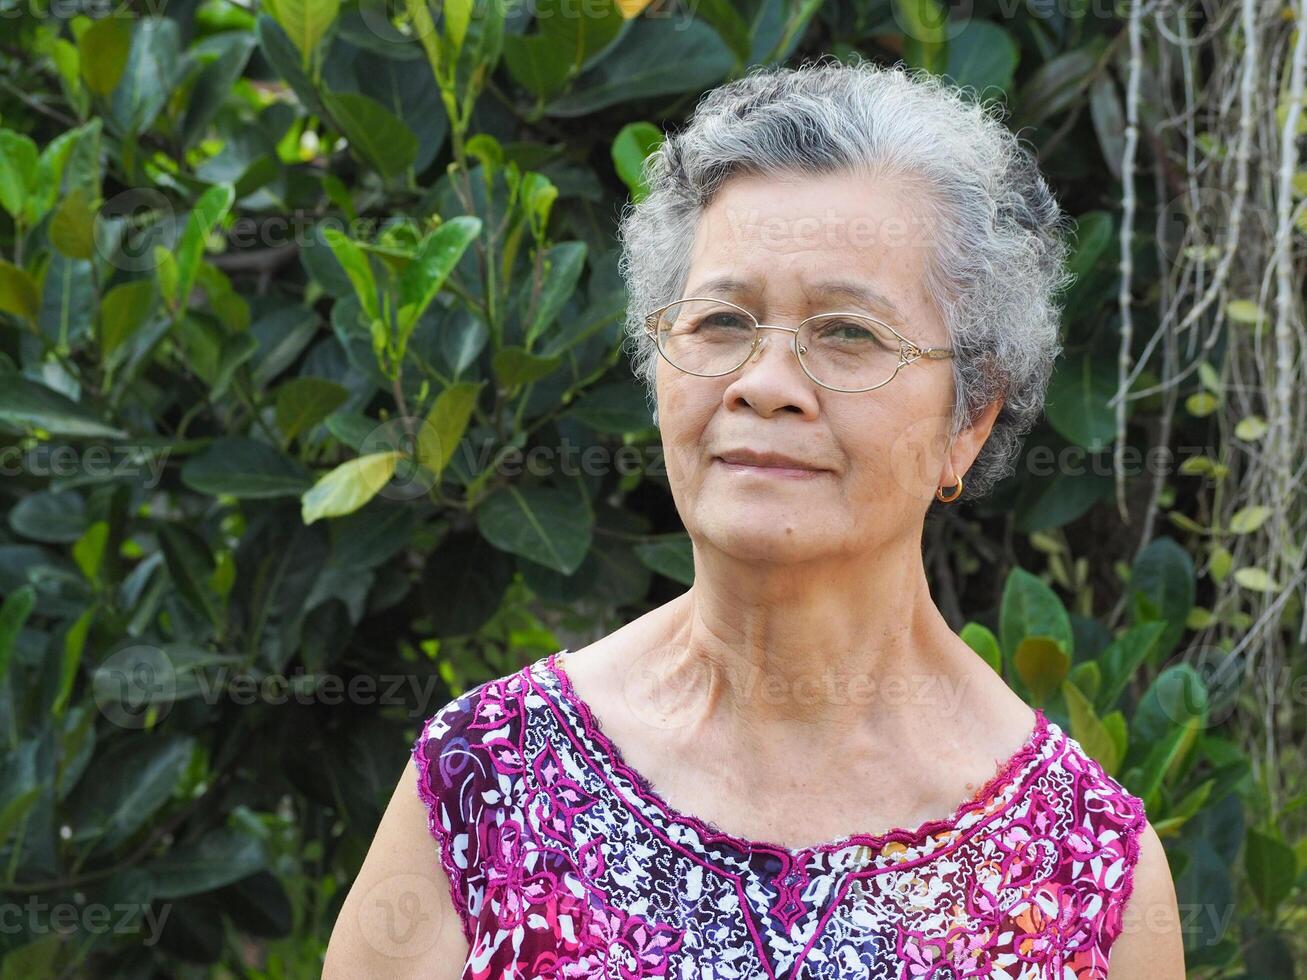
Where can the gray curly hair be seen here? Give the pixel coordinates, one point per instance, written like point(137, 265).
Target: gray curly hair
point(999, 256)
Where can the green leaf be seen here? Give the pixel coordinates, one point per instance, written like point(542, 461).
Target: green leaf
point(1201, 404)
point(235, 350)
point(1077, 402)
point(1089, 730)
point(671, 555)
point(304, 402)
point(1272, 868)
point(616, 408)
point(562, 266)
point(102, 51)
point(1192, 802)
point(133, 780)
point(458, 13)
point(223, 856)
point(26, 403)
point(88, 550)
point(550, 526)
point(33, 960)
point(1088, 677)
point(52, 516)
point(1177, 696)
point(284, 57)
point(18, 293)
point(1115, 724)
point(12, 815)
point(215, 83)
point(730, 26)
point(122, 312)
point(1249, 519)
point(358, 268)
point(17, 607)
point(1164, 758)
point(18, 158)
point(67, 302)
point(514, 366)
point(568, 36)
point(190, 566)
point(305, 22)
point(245, 468)
point(1042, 665)
point(435, 259)
point(984, 642)
point(635, 141)
point(1095, 237)
point(349, 486)
point(925, 33)
point(375, 133)
point(153, 64)
point(656, 56)
point(1252, 428)
point(72, 227)
point(1123, 658)
point(1256, 579)
point(75, 644)
point(1031, 608)
point(1056, 85)
point(1245, 311)
point(983, 55)
point(210, 209)
point(1109, 121)
point(443, 428)
point(1163, 575)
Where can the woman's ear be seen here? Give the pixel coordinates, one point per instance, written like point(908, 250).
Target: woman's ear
point(967, 444)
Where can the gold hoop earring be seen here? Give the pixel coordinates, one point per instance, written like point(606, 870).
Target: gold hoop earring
point(956, 493)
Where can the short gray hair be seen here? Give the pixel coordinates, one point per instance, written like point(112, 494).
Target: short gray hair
point(999, 257)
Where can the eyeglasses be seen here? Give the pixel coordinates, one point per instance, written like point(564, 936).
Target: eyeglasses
point(847, 352)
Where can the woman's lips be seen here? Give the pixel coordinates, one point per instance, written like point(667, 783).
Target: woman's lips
point(776, 472)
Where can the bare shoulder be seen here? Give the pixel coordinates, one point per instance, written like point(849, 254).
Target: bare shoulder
point(1150, 944)
point(399, 920)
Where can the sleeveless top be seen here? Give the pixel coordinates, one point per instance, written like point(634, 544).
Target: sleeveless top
point(564, 862)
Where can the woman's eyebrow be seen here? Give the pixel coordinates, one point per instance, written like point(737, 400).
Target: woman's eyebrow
point(858, 292)
point(724, 284)
point(828, 289)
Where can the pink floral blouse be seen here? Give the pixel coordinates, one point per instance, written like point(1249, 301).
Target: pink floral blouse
point(564, 862)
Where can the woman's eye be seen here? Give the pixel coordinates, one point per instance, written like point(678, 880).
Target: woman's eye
point(722, 320)
point(851, 333)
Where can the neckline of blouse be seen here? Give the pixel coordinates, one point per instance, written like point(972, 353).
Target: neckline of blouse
point(611, 758)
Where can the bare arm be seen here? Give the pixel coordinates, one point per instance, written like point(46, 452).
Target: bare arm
point(1150, 946)
point(398, 920)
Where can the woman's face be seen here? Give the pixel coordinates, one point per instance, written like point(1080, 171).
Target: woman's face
point(882, 453)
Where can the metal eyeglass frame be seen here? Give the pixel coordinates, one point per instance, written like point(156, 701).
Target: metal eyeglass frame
point(908, 351)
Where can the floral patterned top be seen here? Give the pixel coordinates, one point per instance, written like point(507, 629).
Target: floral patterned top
point(564, 862)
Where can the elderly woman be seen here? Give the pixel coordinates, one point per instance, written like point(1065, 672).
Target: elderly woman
point(842, 283)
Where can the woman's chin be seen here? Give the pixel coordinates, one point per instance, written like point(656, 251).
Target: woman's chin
point(760, 534)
